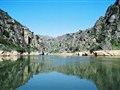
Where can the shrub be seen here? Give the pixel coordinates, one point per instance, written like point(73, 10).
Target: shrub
point(95, 48)
point(2, 40)
point(115, 42)
point(116, 47)
point(20, 49)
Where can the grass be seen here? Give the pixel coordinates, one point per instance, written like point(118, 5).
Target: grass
point(115, 44)
point(116, 47)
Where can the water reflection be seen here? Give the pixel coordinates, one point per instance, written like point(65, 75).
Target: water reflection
point(57, 81)
point(105, 74)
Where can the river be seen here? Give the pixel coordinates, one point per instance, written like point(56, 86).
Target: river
point(60, 73)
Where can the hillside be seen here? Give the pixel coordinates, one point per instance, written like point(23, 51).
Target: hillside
point(104, 35)
point(15, 36)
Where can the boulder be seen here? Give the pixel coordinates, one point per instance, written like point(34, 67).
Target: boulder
point(6, 53)
point(100, 53)
point(25, 53)
point(34, 53)
point(107, 46)
point(14, 53)
point(112, 18)
point(114, 52)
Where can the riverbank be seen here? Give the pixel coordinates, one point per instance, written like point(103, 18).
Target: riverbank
point(84, 53)
point(15, 53)
point(88, 53)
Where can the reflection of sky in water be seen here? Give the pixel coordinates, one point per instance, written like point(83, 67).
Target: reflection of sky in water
point(47, 72)
point(59, 81)
point(54, 80)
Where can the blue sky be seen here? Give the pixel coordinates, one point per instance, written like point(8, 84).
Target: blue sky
point(56, 17)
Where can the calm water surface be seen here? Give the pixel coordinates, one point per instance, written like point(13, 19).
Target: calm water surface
point(60, 73)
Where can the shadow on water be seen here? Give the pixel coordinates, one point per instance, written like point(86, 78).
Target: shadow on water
point(103, 72)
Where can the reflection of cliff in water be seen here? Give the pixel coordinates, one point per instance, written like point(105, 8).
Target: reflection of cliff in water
point(105, 74)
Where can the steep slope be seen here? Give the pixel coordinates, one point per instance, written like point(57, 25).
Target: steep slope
point(107, 28)
point(105, 34)
point(15, 36)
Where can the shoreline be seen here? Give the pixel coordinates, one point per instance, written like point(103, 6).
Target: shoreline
point(88, 53)
point(84, 53)
point(15, 53)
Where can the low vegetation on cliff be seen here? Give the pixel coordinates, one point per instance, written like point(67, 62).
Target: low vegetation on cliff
point(104, 35)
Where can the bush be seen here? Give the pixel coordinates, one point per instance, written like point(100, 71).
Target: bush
point(115, 42)
point(74, 48)
point(2, 40)
point(115, 9)
point(116, 47)
point(6, 49)
point(32, 49)
point(95, 48)
point(9, 45)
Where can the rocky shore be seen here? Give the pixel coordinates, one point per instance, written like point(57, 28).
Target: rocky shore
point(9, 58)
point(88, 53)
point(84, 53)
point(15, 53)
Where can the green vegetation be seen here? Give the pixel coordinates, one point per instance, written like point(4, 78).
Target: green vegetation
point(116, 47)
point(9, 45)
point(7, 42)
point(115, 44)
point(95, 48)
point(74, 48)
point(20, 49)
point(31, 49)
point(115, 9)
point(101, 38)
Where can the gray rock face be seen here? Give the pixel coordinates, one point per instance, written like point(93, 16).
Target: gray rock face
point(15, 36)
point(103, 35)
point(112, 18)
point(118, 26)
point(107, 46)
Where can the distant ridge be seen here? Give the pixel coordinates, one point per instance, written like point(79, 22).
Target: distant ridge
point(104, 35)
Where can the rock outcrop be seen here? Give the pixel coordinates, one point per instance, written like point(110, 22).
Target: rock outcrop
point(15, 36)
point(104, 35)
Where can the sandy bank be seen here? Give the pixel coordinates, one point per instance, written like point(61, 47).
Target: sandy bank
point(84, 53)
point(15, 53)
point(88, 53)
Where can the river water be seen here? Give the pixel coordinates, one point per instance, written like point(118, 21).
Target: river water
point(60, 73)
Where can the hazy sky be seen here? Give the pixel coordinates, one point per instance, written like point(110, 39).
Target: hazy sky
point(56, 17)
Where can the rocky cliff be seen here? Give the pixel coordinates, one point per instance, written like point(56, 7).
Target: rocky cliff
point(15, 36)
point(105, 35)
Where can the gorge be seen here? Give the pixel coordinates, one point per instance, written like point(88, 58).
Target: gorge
point(104, 35)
